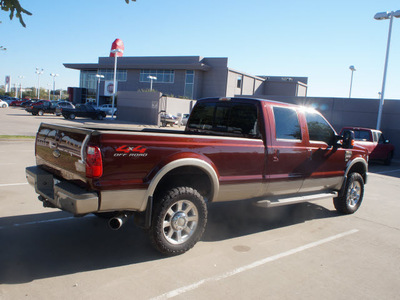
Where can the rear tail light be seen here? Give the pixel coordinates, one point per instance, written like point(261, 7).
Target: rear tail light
point(94, 162)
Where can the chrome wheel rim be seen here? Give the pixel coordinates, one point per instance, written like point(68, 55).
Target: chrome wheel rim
point(353, 194)
point(180, 222)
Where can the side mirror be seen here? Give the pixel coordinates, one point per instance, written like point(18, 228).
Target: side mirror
point(348, 139)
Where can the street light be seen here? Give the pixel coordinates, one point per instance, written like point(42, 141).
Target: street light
point(20, 86)
point(54, 82)
point(98, 87)
point(385, 16)
point(151, 81)
point(352, 69)
point(38, 72)
point(115, 51)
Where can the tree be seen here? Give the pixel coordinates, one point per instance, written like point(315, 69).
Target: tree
point(16, 9)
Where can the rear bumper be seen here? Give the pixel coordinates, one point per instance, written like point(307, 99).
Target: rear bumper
point(62, 194)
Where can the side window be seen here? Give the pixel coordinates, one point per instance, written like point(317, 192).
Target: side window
point(287, 124)
point(232, 119)
point(319, 129)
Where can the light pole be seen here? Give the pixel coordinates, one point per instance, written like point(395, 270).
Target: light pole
point(151, 81)
point(352, 69)
point(38, 72)
point(98, 87)
point(20, 86)
point(385, 16)
point(115, 51)
point(54, 82)
point(49, 89)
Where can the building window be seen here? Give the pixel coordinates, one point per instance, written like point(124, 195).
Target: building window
point(189, 84)
point(163, 76)
point(239, 81)
point(109, 74)
point(88, 78)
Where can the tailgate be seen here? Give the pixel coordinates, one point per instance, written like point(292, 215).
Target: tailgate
point(61, 150)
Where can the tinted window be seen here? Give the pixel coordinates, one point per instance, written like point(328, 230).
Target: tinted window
point(319, 129)
point(287, 124)
point(234, 119)
point(362, 135)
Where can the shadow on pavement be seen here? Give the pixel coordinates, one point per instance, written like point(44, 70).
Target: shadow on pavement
point(55, 244)
point(379, 168)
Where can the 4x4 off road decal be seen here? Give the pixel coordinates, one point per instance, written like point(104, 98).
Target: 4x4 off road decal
point(131, 151)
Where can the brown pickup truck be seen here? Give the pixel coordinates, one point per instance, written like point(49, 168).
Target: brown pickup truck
point(267, 152)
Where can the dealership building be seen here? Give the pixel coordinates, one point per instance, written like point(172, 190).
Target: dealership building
point(189, 77)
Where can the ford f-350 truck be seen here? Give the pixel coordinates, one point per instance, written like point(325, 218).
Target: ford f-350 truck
point(267, 152)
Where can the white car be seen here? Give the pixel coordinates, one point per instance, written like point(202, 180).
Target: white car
point(3, 104)
point(185, 119)
point(107, 108)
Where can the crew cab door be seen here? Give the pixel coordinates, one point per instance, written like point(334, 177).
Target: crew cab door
point(287, 151)
point(327, 162)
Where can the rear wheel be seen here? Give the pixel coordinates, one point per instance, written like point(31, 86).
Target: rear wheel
point(72, 116)
point(40, 112)
point(352, 196)
point(179, 221)
point(100, 117)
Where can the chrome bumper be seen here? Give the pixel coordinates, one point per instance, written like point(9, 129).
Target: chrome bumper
point(62, 194)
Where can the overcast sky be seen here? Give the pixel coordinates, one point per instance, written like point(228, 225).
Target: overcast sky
point(317, 39)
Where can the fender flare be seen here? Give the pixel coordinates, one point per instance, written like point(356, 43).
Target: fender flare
point(349, 166)
point(184, 162)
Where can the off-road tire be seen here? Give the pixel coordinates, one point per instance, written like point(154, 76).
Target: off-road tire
point(352, 195)
point(179, 220)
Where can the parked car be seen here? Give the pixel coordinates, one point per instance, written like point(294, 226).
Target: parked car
point(83, 111)
point(185, 119)
point(108, 109)
point(42, 107)
point(168, 119)
point(261, 151)
point(373, 140)
point(61, 105)
point(16, 102)
point(27, 103)
point(3, 104)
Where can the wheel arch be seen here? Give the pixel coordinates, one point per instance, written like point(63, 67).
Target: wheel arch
point(358, 165)
point(192, 172)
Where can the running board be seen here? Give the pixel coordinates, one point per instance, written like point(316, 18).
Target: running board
point(275, 201)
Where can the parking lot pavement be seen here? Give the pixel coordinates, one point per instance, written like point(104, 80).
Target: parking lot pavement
point(304, 251)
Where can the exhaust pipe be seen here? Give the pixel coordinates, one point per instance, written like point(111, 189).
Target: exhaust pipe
point(116, 222)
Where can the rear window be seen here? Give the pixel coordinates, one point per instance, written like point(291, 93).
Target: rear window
point(362, 135)
point(232, 119)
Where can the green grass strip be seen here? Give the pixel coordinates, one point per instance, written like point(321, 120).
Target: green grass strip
point(17, 137)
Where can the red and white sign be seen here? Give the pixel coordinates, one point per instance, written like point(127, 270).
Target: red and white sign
point(117, 45)
point(109, 87)
point(8, 84)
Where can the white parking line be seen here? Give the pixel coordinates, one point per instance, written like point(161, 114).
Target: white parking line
point(253, 265)
point(13, 184)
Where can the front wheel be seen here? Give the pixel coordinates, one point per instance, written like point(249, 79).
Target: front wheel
point(72, 116)
point(352, 196)
point(179, 220)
